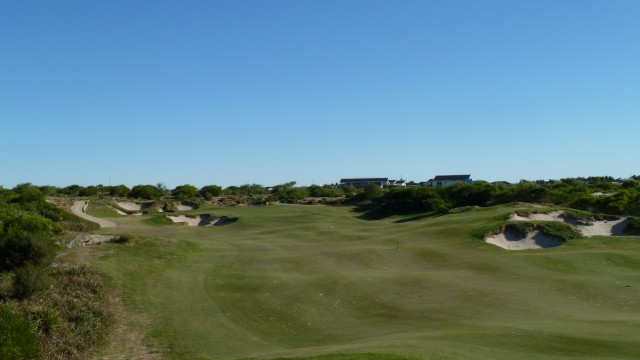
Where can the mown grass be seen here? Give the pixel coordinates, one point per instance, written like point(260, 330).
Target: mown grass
point(315, 282)
point(102, 209)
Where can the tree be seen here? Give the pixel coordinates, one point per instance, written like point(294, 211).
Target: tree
point(148, 192)
point(119, 191)
point(184, 192)
point(210, 191)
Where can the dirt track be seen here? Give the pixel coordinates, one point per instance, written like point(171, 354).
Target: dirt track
point(79, 208)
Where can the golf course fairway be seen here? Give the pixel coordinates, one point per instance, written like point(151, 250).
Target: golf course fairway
point(318, 282)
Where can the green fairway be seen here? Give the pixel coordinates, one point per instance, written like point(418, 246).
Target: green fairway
point(316, 282)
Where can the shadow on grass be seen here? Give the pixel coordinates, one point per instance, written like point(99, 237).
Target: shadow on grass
point(420, 217)
point(372, 213)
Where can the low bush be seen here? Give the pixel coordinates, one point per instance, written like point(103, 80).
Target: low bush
point(633, 227)
point(17, 339)
point(29, 280)
point(121, 239)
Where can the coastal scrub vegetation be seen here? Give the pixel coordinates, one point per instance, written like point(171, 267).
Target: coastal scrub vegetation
point(45, 312)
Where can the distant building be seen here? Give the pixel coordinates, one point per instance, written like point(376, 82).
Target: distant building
point(361, 182)
point(400, 182)
point(446, 180)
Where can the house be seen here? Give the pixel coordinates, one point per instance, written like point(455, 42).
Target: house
point(400, 182)
point(446, 180)
point(361, 182)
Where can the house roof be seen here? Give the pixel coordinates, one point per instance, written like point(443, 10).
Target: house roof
point(452, 177)
point(361, 180)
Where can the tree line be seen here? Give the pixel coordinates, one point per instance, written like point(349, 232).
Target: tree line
point(595, 194)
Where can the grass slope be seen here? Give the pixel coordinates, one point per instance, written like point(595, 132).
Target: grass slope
point(315, 282)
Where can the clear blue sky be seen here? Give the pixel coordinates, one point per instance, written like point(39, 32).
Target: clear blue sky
point(235, 92)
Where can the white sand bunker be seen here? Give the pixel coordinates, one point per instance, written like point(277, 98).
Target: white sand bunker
point(534, 240)
point(588, 228)
point(186, 206)
point(201, 220)
point(131, 206)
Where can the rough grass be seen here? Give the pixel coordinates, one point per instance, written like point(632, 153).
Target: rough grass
point(315, 282)
point(71, 318)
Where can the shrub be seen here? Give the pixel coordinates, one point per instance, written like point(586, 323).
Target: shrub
point(633, 227)
point(17, 339)
point(44, 319)
point(121, 239)
point(29, 280)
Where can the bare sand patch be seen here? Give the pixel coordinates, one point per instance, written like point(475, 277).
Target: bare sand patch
point(588, 228)
point(186, 206)
point(603, 227)
point(131, 206)
point(536, 239)
point(202, 220)
point(198, 220)
point(552, 216)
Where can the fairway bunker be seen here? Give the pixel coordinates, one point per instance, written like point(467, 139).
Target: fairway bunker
point(202, 220)
point(536, 239)
point(186, 206)
point(131, 208)
point(587, 227)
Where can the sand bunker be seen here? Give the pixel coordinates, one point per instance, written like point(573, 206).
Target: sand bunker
point(186, 206)
point(534, 240)
point(587, 228)
point(127, 205)
point(201, 220)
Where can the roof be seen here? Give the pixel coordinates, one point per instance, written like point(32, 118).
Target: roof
point(360, 180)
point(452, 177)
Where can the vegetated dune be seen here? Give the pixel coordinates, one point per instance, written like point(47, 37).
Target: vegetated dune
point(201, 220)
point(536, 239)
point(587, 228)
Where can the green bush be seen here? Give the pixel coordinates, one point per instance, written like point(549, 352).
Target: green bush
point(29, 280)
point(633, 227)
point(44, 319)
point(17, 339)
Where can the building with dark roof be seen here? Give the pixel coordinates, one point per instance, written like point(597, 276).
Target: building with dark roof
point(446, 180)
point(361, 182)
